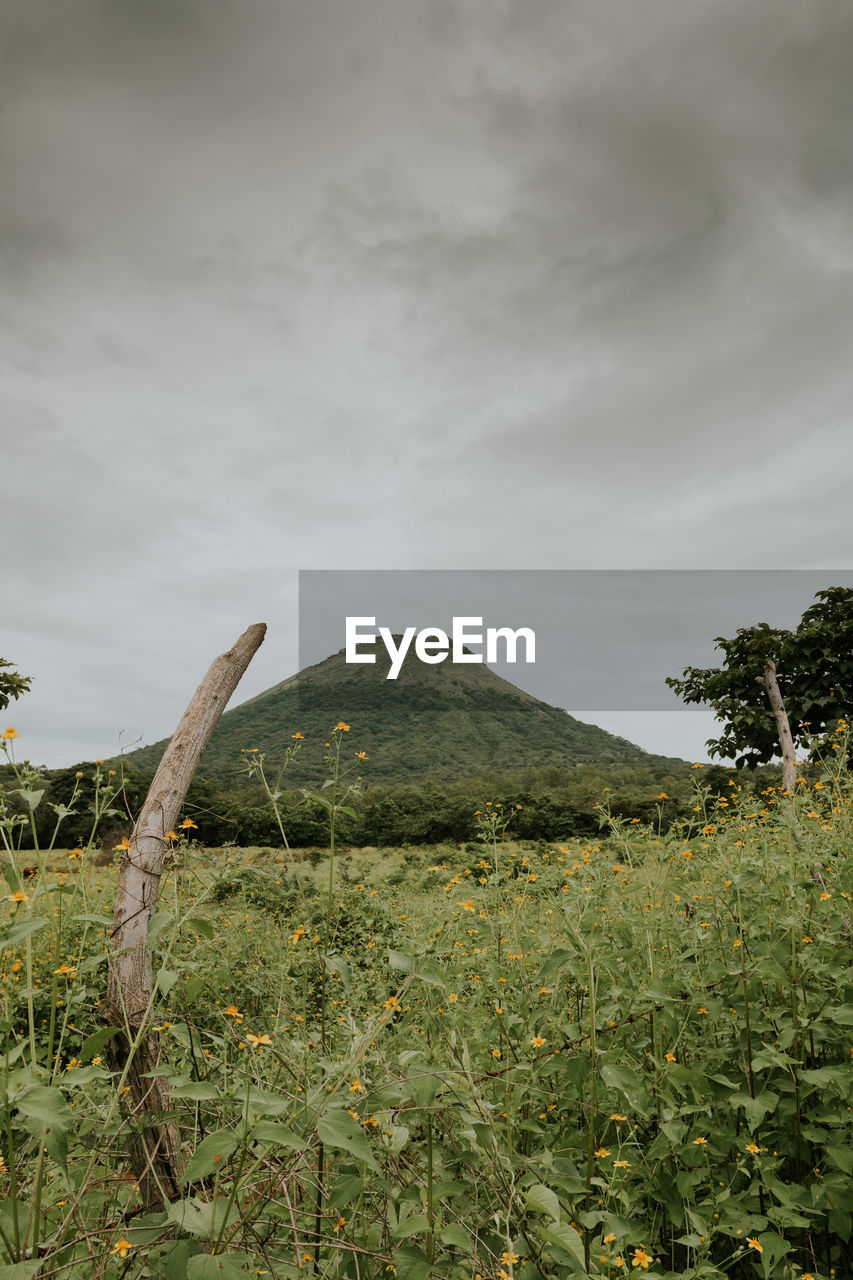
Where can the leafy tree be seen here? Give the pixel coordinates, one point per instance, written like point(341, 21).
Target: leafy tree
point(813, 669)
point(12, 685)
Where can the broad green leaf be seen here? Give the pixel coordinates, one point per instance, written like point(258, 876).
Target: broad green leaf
point(401, 960)
point(211, 1154)
point(542, 1199)
point(45, 1105)
point(20, 1270)
point(197, 1091)
point(345, 1191)
point(201, 1217)
point(218, 1266)
point(202, 926)
point(342, 1131)
point(32, 799)
point(20, 930)
point(157, 924)
point(94, 1043)
point(278, 1135)
point(337, 964)
point(455, 1234)
point(567, 1238)
point(411, 1263)
point(414, 1225)
point(166, 979)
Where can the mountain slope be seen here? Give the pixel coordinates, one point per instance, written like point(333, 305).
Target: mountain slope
point(441, 721)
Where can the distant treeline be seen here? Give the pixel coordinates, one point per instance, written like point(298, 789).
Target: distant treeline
point(555, 804)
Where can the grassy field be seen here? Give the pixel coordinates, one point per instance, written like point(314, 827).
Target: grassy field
point(498, 1061)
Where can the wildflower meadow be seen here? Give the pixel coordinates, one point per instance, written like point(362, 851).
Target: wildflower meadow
point(503, 1060)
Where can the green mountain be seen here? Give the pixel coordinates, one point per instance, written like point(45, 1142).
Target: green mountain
point(443, 721)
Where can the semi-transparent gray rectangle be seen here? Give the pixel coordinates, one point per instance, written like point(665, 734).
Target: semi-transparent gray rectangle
point(605, 639)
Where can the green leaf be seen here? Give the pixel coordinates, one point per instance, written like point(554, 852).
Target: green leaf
point(337, 964)
point(411, 1263)
point(401, 960)
point(567, 1238)
point(45, 1105)
point(342, 1131)
point(94, 1043)
point(32, 799)
point(773, 1248)
point(218, 1266)
point(56, 1144)
point(414, 1225)
point(201, 1217)
point(20, 1270)
point(202, 926)
point(455, 1234)
point(157, 924)
point(211, 1154)
point(542, 1199)
point(278, 1135)
point(166, 979)
point(197, 1091)
point(22, 929)
point(346, 1191)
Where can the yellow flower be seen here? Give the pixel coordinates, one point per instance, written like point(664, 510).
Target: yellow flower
point(509, 1258)
point(17, 896)
point(537, 1041)
point(171, 836)
point(10, 733)
point(296, 736)
point(361, 755)
point(66, 969)
point(700, 1142)
point(467, 906)
point(356, 1087)
point(609, 1238)
point(697, 765)
point(72, 1062)
point(233, 1012)
point(122, 1247)
point(670, 1057)
point(621, 1164)
point(187, 823)
point(121, 848)
point(663, 796)
point(496, 1053)
point(258, 1041)
point(341, 727)
point(754, 1148)
point(616, 1116)
point(753, 1243)
point(341, 1222)
point(641, 1259)
point(75, 854)
point(602, 1153)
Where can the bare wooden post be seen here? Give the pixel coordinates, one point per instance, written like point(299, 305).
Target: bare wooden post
point(783, 728)
point(155, 1149)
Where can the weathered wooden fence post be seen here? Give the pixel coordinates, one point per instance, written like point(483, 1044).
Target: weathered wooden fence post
point(155, 1148)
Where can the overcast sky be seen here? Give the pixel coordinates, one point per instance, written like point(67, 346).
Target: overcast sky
point(381, 285)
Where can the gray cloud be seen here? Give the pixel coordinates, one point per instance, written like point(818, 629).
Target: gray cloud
point(373, 285)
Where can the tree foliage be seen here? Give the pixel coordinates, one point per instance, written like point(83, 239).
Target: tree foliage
point(12, 685)
point(814, 666)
